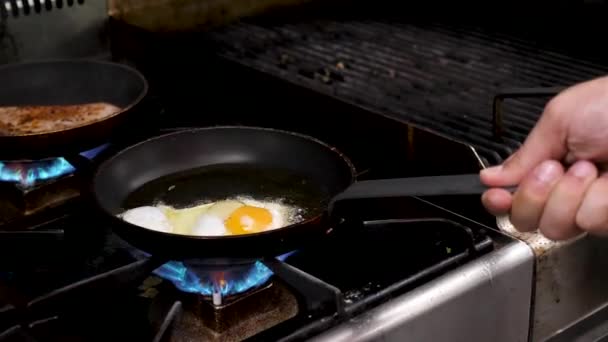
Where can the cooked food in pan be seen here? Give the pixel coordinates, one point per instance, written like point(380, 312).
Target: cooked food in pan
point(20, 120)
point(236, 216)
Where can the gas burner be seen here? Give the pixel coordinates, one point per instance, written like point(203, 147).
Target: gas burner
point(199, 319)
point(29, 187)
point(217, 285)
point(33, 173)
point(245, 316)
point(29, 173)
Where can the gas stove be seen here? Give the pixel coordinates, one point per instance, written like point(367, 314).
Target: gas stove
point(390, 94)
point(85, 283)
point(94, 285)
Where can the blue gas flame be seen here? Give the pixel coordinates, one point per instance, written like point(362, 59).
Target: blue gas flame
point(30, 172)
point(92, 153)
point(189, 281)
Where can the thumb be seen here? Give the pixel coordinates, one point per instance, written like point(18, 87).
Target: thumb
point(547, 140)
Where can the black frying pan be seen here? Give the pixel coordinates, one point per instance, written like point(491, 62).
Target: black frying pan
point(214, 163)
point(67, 82)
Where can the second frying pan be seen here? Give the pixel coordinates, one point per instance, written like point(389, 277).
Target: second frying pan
point(68, 82)
point(209, 164)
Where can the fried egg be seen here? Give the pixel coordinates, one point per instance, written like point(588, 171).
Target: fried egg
point(235, 216)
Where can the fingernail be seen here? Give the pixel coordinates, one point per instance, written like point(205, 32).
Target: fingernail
point(547, 172)
point(582, 169)
point(492, 170)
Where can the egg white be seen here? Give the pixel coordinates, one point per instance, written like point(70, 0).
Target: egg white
point(148, 217)
point(184, 220)
point(209, 225)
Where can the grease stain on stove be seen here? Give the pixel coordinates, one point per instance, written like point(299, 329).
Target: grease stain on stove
point(148, 287)
point(150, 293)
point(548, 273)
point(285, 60)
point(487, 270)
point(410, 142)
point(328, 76)
point(150, 282)
point(355, 295)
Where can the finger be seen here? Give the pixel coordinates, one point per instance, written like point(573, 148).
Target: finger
point(558, 221)
point(532, 194)
point(592, 216)
point(545, 142)
point(497, 201)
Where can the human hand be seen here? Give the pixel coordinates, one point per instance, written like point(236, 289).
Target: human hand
point(561, 202)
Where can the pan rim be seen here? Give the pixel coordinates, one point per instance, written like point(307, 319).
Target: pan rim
point(125, 67)
point(107, 162)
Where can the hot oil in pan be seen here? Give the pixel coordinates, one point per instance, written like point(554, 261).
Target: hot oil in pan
point(210, 184)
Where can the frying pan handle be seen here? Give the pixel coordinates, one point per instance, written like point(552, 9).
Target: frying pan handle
point(468, 184)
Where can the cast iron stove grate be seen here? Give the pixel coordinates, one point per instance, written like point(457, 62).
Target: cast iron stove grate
point(436, 75)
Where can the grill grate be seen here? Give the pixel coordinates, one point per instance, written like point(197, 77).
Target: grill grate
point(440, 76)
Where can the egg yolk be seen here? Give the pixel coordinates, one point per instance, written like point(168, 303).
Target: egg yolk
point(248, 219)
